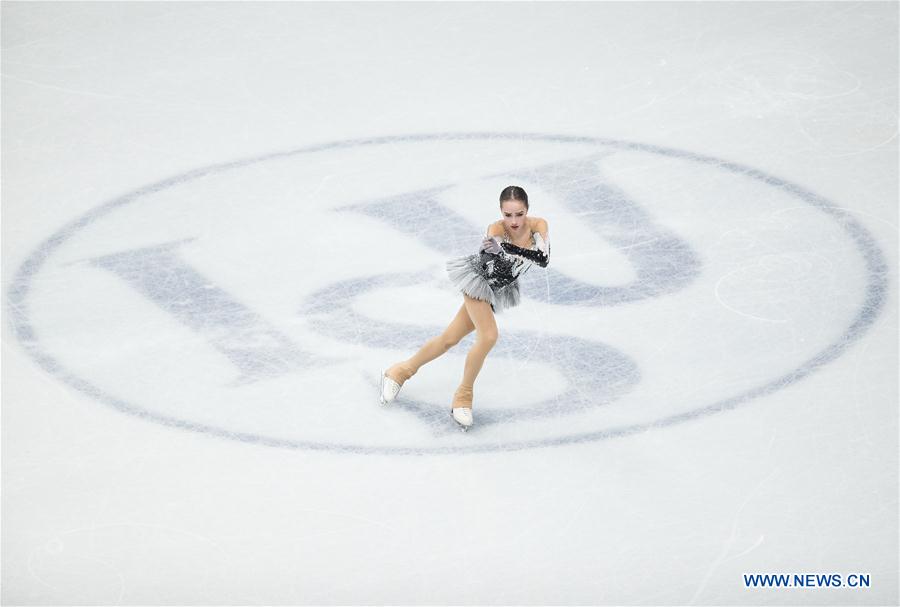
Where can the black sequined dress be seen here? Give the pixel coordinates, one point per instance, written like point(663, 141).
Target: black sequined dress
point(490, 277)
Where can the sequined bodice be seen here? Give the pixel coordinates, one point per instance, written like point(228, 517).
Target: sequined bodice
point(501, 270)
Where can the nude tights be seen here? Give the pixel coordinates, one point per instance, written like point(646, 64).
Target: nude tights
point(475, 315)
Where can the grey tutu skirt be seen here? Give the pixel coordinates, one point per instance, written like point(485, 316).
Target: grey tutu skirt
point(467, 275)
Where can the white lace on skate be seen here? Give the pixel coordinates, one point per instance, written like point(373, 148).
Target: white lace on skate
point(389, 389)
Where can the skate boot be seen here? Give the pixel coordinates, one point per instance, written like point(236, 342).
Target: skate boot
point(461, 410)
point(392, 380)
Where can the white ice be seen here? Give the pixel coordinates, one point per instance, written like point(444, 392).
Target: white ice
point(220, 221)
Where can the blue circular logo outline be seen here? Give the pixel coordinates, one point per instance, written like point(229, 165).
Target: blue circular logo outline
point(875, 296)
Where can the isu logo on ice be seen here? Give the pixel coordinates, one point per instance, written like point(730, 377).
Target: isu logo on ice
point(255, 300)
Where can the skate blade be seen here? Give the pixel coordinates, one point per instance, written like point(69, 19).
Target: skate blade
point(381, 394)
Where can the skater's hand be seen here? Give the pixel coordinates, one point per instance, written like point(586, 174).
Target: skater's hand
point(491, 245)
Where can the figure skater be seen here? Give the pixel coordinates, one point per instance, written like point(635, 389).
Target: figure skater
point(488, 281)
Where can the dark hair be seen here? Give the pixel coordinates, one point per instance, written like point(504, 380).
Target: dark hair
point(514, 192)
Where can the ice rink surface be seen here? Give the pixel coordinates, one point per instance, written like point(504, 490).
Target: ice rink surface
point(221, 221)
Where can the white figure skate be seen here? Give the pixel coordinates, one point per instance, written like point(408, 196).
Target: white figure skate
point(463, 417)
point(389, 389)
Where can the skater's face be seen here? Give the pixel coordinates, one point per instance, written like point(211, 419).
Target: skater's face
point(514, 213)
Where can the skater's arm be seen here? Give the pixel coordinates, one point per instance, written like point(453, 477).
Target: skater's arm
point(541, 238)
point(489, 243)
point(541, 257)
point(543, 230)
point(544, 247)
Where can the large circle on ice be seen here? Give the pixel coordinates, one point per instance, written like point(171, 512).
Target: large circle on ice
point(256, 300)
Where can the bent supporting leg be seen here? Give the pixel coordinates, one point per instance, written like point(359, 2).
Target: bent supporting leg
point(482, 317)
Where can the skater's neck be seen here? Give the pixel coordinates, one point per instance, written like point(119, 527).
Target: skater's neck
point(524, 243)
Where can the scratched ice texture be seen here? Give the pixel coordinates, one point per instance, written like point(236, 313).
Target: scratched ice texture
point(222, 221)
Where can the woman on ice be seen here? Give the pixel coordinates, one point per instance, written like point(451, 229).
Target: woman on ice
point(489, 283)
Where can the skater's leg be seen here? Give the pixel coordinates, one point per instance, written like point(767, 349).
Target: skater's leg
point(458, 328)
point(486, 336)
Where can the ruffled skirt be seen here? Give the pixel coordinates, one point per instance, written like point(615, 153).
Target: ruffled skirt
point(467, 275)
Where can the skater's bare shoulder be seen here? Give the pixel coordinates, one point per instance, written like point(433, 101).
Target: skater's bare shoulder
point(538, 224)
point(496, 228)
